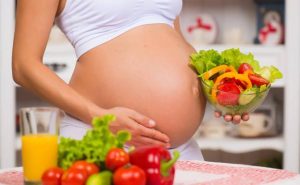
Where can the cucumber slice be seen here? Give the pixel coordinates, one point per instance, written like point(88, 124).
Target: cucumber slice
point(247, 96)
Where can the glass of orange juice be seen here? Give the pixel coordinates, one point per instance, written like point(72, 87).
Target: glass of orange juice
point(40, 130)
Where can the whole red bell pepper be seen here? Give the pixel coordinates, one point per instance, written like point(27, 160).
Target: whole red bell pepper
point(157, 163)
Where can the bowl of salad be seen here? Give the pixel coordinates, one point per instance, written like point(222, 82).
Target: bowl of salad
point(233, 82)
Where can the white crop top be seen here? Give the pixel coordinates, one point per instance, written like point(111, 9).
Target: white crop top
point(89, 23)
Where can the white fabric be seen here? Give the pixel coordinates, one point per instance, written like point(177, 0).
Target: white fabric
point(89, 23)
point(76, 129)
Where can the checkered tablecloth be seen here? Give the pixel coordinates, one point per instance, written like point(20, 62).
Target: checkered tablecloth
point(202, 173)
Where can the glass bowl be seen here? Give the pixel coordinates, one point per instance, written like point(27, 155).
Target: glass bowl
point(246, 102)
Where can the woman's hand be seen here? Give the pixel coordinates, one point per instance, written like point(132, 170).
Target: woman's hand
point(141, 127)
point(236, 119)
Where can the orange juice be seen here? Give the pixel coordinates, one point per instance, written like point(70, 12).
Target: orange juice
point(39, 152)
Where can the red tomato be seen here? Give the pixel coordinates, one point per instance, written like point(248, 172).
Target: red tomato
point(258, 80)
point(90, 168)
point(242, 85)
point(74, 177)
point(129, 175)
point(116, 158)
point(228, 94)
point(52, 176)
point(227, 80)
point(245, 67)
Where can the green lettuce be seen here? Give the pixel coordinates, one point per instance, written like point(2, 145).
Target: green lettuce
point(234, 57)
point(94, 146)
point(270, 73)
point(205, 60)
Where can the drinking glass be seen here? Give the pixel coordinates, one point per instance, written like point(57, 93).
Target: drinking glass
point(40, 130)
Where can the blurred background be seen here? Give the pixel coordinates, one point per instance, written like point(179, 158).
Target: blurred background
point(267, 28)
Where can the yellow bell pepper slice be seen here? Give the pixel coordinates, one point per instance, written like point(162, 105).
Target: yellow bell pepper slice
point(217, 69)
point(241, 77)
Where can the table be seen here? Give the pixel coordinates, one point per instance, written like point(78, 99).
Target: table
point(202, 173)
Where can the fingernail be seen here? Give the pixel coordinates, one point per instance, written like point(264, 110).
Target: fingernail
point(152, 123)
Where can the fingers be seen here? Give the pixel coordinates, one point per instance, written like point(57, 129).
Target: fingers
point(227, 118)
point(245, 117)
point(140, 130)
point(218, 114)
point(152, 133)
point(148, 132)
point(236, 119)
point(142, 141)
point(143, 120)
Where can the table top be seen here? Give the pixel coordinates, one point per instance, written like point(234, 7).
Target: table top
point(202, 173)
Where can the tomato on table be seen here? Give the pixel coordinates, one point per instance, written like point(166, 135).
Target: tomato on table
point(74, 176)
point(116, 158)
point(90, 168)
point(52, 176)
point(132, 175)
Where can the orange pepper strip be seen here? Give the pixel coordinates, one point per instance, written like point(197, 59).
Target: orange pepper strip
point(231, 68)
point(248, 72)
point(242, 77)
point(217, 69)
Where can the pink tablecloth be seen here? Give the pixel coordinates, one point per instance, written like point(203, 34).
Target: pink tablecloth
point(202, 173)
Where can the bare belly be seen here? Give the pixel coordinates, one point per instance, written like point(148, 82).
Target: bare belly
point(145, 69)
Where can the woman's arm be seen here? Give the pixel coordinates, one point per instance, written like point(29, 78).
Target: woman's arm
point(33, 25)
point(34, 21)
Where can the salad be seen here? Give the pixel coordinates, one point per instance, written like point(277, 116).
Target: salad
point(232, 81)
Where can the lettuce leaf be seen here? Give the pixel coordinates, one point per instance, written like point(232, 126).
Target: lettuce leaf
point(270, 73)
point(94, 145)
point(234, 57)
point(205, 60)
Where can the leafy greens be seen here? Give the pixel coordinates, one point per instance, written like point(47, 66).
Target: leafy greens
point(205, 60)
point(94, 146)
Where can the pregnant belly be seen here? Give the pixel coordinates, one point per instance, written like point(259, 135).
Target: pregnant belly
point(147, 70)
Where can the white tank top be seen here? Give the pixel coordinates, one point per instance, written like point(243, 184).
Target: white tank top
point(89, 23)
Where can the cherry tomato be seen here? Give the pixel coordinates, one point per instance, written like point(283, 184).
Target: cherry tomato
point(242, 85)
point(228, 94)
point(245, 67)
point(129, 175)
point(258, 80)
point(90, 168)
point(52, 176)
point(74, 177)
point(227, 80)
point(116, 158)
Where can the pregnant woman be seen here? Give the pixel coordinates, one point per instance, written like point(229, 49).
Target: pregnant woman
point(132, 62)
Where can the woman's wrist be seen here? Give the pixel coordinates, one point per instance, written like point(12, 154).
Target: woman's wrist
point(93, 111)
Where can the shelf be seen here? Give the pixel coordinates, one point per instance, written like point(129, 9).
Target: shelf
point(240, 145)
point(253, 48)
